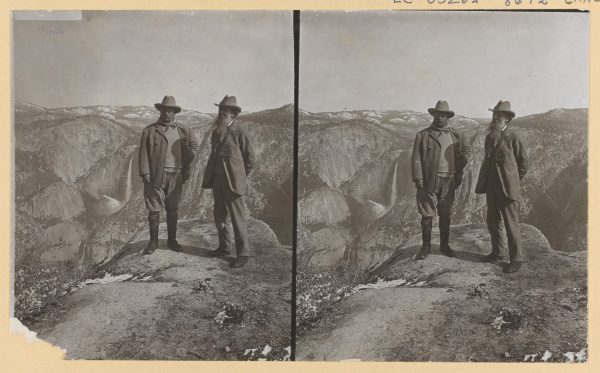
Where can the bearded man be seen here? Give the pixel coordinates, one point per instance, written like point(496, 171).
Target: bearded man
point(439, 156)
point(504, 166)
point(230, 162)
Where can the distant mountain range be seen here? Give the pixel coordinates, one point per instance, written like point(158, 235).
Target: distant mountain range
point(78, 193)
point(77, 189)
point(357, 198)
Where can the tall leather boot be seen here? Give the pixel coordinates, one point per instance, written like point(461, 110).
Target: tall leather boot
point(153, 221)
point(426, 224)
point(445, 236)
point(172, 231)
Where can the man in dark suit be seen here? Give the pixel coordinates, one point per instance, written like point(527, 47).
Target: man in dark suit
point(166, 152)
point(439, 156)
point(231, 161)
point(504, 166)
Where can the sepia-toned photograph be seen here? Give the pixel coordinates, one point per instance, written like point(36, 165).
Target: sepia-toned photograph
point(442, 186)
point(153, 183)
point(434, 207)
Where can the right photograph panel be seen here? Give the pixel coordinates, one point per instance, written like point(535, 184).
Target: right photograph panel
point(442, 186)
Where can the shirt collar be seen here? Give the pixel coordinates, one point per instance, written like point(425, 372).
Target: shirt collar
point(168, 125)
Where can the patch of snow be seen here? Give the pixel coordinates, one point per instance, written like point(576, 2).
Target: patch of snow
point(107, 279)
point(287, 356)
point(570, 356)
point(250, 351)
point(131, 115)
point(547, 355)
point(581, 356)
point(220, 318)
point(531, 357)
point(107, 115)
point(497, 324)
point(382, 284)
point(266, 350)
point(142, 278)
point(106, 109)
point(76, 111)
point(576, 357)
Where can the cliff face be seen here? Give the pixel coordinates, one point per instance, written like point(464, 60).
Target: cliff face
point(369, 153)
point(78, 167)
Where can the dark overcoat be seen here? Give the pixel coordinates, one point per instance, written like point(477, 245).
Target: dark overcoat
point(508, 159)
point(153, 151)
point(236, 153)
point(426, 156)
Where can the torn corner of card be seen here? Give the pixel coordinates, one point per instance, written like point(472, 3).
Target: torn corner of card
point(16, 327)
point(47, 15)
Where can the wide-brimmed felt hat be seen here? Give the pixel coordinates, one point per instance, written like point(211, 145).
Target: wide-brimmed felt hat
point(503, 107)
point(168, 103)
point(231, 102)
point(441, 107)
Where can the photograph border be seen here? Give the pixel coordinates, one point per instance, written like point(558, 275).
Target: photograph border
point(18, 354)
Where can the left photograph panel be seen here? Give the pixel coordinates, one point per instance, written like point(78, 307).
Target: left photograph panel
point(153, 174)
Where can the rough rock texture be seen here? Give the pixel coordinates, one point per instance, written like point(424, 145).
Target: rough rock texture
point(66, 147)
point(57, 201)
point(330, 246)
point(167, 310)
point(63, 241)
point(447, 312)
point(323, 206)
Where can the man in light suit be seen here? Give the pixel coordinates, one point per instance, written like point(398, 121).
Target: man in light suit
point(230, 162)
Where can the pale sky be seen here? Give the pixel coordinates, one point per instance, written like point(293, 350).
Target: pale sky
point(409, 60)
point(136, 58)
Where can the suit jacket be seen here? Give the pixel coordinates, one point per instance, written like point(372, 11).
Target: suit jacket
point(236, 154)
point(426, 156)
point(153, 148)
point(509, 160)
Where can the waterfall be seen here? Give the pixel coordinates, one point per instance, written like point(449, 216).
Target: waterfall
point(394, 187)
point(128, 185)
point(375, 210)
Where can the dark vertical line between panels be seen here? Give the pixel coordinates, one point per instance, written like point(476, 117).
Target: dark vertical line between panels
point(296, 30)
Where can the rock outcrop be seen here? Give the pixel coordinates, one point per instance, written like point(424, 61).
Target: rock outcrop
point(459, 309)
point(57, 201)
point(179, 306)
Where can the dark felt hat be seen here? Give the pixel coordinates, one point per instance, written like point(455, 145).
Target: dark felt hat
point(231, 102)
point(168, 103)
point(441, 107)
point(503, 107)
